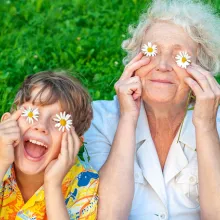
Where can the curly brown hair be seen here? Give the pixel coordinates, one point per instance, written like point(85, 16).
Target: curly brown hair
point(63, 88)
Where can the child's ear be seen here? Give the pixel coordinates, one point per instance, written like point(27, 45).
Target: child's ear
point(5, 116)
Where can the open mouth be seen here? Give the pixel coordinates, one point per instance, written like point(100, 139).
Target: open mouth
point(35, 149)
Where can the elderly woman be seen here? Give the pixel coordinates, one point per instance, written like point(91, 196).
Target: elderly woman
point(156, 145)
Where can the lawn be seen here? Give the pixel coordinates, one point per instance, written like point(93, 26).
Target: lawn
point(81, 36)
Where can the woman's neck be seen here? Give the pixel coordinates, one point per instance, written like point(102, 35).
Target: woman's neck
point(28, 184)
point(165, 118)
point(164, 122)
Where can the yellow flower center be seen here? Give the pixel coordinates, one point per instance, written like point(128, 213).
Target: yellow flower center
point(150, 49)
point(63, 122)
point(30, 114)
point(184, 59)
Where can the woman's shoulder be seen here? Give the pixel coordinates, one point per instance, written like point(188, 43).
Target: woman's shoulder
point(218, 120)
point(106, 108)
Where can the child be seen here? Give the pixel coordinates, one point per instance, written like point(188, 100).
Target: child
point(41, 176)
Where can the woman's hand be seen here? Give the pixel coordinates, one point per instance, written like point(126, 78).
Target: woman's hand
point(128, 87)
point(58, 168)
point(9, 138)
point(207, 92)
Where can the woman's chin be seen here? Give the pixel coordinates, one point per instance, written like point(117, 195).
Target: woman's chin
point(159, 98)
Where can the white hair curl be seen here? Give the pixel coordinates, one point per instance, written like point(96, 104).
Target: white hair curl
point(199, 20)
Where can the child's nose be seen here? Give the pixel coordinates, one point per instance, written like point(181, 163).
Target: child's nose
point(41, 127)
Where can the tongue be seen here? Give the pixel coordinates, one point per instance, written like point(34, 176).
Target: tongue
point(34, 150)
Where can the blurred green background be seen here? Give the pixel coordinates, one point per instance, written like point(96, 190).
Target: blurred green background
point(81, 36)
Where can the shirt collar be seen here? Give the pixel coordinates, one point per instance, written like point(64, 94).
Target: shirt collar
point(10, 174)
point(187, 133)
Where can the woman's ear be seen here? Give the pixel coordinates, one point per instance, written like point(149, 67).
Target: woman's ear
point(5, 116)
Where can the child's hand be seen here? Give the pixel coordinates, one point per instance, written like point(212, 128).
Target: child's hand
point(58, 168)
point(9, 138)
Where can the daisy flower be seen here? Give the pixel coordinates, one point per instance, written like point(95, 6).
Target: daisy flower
point(63, 121)
point(149, 49)
point(31, 114)
point(183, 59)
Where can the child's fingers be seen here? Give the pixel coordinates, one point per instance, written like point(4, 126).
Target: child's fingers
point(76, 141)
point(64, 145)
point(8, 124)
point(11, 130)
point(14, 137)
point(70, 145)
point(16, 115)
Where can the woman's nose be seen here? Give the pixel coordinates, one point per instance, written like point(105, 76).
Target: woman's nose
point(164, 63)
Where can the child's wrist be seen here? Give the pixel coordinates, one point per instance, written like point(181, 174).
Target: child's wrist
point(52, 189)
point(51, 185)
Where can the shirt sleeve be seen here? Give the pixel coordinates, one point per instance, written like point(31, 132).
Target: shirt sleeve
point(82, 201)
point(100, 135)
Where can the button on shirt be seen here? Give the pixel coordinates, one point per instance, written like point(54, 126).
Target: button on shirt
point(79, 187)
point(169, 194)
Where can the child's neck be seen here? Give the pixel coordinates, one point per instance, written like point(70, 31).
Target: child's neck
point(28, 184)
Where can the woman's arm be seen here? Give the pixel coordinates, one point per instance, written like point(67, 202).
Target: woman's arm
point(208, 148)
point(207, 93)
point(116, 187)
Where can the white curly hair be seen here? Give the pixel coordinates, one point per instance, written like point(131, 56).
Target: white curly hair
point(199, 20)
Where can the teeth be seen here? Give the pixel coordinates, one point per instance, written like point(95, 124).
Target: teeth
point(38, 143)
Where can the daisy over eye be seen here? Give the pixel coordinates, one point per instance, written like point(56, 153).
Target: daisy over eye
point(31, 114)
point(183, 59)
point(63, 121)
point(149, 49)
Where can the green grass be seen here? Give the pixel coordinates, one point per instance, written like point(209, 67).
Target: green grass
point(82, 36)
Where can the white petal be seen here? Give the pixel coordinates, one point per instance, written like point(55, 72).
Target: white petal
point(58, 116)
point(57, 125)
point(68, 128)
point(56, 119)
point(67, 117)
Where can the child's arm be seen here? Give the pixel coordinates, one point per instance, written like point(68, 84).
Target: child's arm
point(9, 138)
point(55, 173)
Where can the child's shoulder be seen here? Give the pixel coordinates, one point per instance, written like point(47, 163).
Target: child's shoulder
point(82, 173)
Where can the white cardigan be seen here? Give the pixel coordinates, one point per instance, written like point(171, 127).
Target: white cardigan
point(171, 194)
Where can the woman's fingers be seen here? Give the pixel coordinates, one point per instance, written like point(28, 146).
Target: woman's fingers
point(200, 78)
point(212, 81)
point(132, 67)
point(136, 58)
point(194, 86)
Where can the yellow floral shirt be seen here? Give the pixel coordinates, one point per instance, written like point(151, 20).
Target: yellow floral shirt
point(79, 188)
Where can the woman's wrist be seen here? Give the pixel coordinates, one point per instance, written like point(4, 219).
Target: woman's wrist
point(129, 119)
point(205, 127)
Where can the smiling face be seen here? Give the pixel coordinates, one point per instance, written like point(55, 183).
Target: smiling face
point(40, 141)
point(162, 79)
